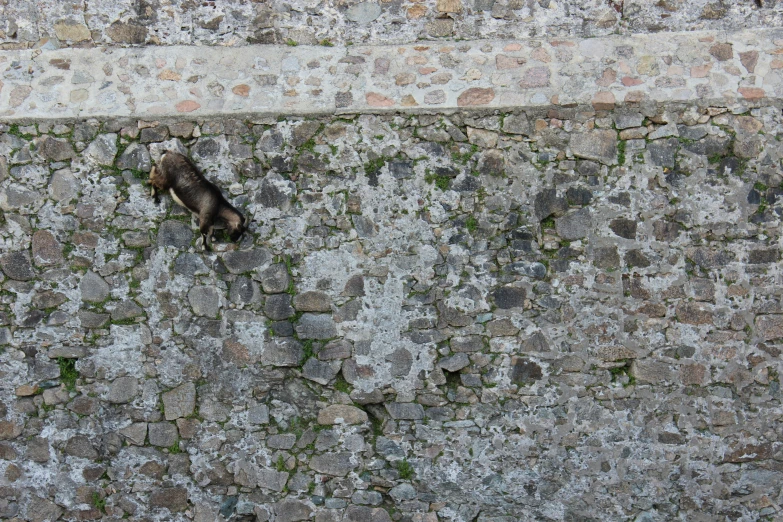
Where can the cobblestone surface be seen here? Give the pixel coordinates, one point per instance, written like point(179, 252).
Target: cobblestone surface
point(554, 314)
point(729, 69)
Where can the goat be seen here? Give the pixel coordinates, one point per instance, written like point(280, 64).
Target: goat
point(190, 189)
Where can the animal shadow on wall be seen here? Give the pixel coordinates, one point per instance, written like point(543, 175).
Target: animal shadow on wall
point(189, 188)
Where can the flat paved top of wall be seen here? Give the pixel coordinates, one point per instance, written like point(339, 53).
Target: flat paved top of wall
point(728, 69)
point(237, 23)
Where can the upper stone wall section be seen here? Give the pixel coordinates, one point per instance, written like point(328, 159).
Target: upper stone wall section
point(737, 70)
point(51, 24)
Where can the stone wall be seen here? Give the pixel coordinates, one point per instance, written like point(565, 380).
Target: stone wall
point(50, 24)
point(496, 316)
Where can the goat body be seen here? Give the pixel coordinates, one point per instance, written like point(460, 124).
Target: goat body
point(189, 188)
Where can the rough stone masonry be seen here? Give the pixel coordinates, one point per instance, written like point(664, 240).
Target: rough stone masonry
point(558, 302)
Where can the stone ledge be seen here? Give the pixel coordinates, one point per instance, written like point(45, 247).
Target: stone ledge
point(738, 70)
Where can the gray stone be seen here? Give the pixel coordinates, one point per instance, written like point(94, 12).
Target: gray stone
point(336, 464)
point(285, 441)
point(662, 152)
point(126, 310)
point(64, 186)
point(244, 291)
point(624, 227)
point(341, 414)
point(179, 402)
point(272, 480)
point(470, 343)
point(93, 287)
point(80, 446)
point(55, 149)
point(123, 390)
point(9, 430)
point(363, 12)
point(366, 514)
point(401, 361)
point(275, 279)
point(337, 349)
point(575, 225)
point(547, 204)
point(42, 510)
point(367, 497)
point(136, 433)
point(162, 434)
point(316, 326)
point(174, 499)
point(135, 157)
point(312, 301)
point(47, 251)
point(174, 233)
point(278, 307)
point(103, 150)
point(454, 363)
point(205, 301)
point(91, 319)
point(507, 297)
point(258, 414)
point(365, 227)
point(283, 352)
point(405, 410)
point(190, 264)
point(241, 261)
point(15, 197)
point(626, 120)
point(16, 265)
point(38, 449)
point(292, 511)
point(599, 145)
point(402, 492)
point(516, 124)
point(154, 134)
point(525, 372)
point(319, 371)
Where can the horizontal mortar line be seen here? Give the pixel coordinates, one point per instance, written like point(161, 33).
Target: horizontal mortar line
point(735, 69)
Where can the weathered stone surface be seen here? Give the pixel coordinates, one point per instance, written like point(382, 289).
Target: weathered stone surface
point(575, 225)
point(174, 499)
point(103, 150)
point(9, 430)
point(769, 327)
point(241, 261)
point(283, 352)
point(405, 410)
point(599, 145)
point(205, 301)
point(162, 434)
point(55, 149)
point(320, 371)
point(174, 233)
point(508, 297)
point(94, 288)
point(179, 402)
point(123, 390)
point(312, 301)
point(341, 414)
point(335, 464)
point(16, 265)
point(135, 157)
point(47, 250)
point(292, 511)
point(316, 326)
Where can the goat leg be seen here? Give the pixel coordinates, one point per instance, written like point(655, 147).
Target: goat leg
point(206, 225)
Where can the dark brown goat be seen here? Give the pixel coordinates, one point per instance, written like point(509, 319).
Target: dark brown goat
point(188, 187)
